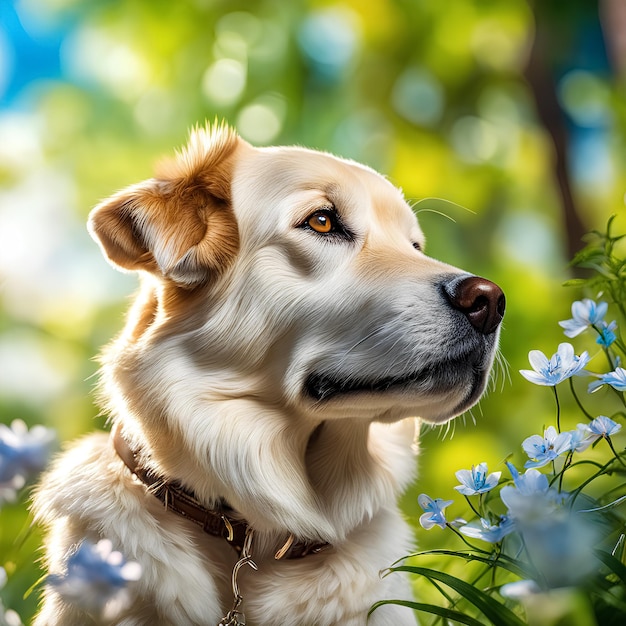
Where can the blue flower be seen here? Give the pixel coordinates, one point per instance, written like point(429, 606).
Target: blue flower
point(492, 533)
point(530, 497)
point(558, 543)
point(23, 454)
point(530, 482)
point(617, 380)
point(606, 334)
point(585, 313)
point(434, 515)
point(580, 439)
point(96, 579)
point(560, 367)
point(547, 448)
point(602, 426)
point(476, 480)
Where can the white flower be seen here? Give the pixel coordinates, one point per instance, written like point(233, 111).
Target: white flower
point(434, 515)
point(492, 533)
point(617, 380)
point(562, 365)
point(547, 448)
point(601, 426)
point(585, 313)
point(580, 438)
point(477, 480)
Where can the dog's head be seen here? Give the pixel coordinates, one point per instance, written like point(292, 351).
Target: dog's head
point(296, 279)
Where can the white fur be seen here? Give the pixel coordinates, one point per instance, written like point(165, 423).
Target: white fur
point(209, 379)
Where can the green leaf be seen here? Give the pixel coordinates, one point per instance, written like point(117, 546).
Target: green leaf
point(607, 274)
point(502, 561)
point(616, 566)
point(575, 282)
point(606, 507)
point(493, 610)
point(585, 255)
point(449, 614)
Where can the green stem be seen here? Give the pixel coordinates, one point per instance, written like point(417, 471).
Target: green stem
point(558, 409)
point(494, 569)
point(568, 460)
point(600, 472)
point(471, 506)
point(617, 456)
point(578, 402)
point(464, 540)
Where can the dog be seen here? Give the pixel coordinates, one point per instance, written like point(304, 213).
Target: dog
point(263, 394)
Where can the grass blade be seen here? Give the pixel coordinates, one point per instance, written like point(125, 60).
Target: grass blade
point(502, 561)
point(493, 610)
point(615, 565)
point(449, 614)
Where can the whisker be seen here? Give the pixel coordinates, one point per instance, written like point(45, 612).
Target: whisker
point(501, 371)
point(438, 202)
point(441, 213)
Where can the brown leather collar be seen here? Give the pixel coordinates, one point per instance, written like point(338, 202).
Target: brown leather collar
point(218, 522)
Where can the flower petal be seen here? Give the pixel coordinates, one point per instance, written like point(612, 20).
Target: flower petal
point(572, 328)
point(535, 378)
point(566, 352)
point(603, 426)
point(532, 444)
point(538, 360)
point(539, 462)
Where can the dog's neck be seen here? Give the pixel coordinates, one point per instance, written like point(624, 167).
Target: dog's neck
point(318, 484)
point(353, 467)
point(219, 521)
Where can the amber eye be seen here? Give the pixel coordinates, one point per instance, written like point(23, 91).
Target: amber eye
point(321, 222)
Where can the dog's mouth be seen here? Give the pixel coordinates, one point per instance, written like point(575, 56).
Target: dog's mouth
point(436, 379)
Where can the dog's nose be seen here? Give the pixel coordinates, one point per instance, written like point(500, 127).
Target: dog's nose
point(480, 300)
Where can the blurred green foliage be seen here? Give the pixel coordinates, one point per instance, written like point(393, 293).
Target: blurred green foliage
point(433, 94)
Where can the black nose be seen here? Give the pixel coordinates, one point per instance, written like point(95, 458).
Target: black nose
point(480, 300)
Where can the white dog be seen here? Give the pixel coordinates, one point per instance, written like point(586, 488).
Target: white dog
point(288, 327)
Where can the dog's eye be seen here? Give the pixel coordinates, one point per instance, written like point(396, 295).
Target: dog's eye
point(327, 222)
point(417, 246)
point(322, 222)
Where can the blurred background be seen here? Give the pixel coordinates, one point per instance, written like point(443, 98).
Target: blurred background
point(511, 110)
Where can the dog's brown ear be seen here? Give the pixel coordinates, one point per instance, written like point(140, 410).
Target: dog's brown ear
point(180, 224)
